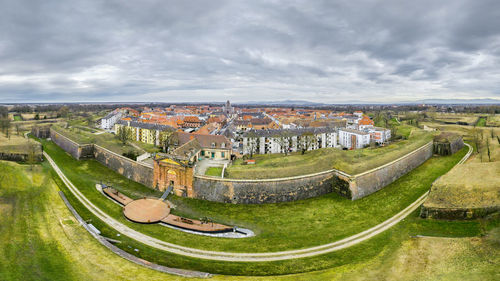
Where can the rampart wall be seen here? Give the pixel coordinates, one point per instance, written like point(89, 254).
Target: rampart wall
point(260, 191)
point(136, 171)
point(307, 186)
point(373, 180)
point(78, 151)
point(266, 191)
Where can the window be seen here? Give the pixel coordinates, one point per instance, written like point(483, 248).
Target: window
point(213, 145)
point(223, 145)
point(223, 155)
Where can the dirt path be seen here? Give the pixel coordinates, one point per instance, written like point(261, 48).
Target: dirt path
point(241, 257)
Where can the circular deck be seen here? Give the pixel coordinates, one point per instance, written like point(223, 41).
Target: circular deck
point(146, 210)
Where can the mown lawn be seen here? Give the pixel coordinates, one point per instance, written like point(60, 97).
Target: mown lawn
point(481, 122)
point(282, 226)
point(214, 171)
point(40, 240)
point(351, 161)
point(106, 140)
point(381, 250)
point(27, 249)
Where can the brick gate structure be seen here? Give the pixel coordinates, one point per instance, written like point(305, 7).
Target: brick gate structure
point(178, 173)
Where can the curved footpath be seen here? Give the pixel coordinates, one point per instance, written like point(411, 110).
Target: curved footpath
point(241, 257)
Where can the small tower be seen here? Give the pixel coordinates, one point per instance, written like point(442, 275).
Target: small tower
point(227, 108)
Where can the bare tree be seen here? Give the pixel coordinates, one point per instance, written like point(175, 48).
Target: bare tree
point(89, 120)
point(32, 149)
point(63, 111)
point(488, 147)
point(475, 136)
point(307, 140)
point(252, 140)
point(394, 131)
point(123, 134)
point(167, 140)
point(284, 139)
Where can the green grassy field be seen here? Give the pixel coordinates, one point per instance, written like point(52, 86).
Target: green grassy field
point(493, 120)
point(105, 140)
point(382, 247)
point(327, 218)
point(40, 240)
point(481, 122)
point(351, 162)
point(470, 185)
point(456, 117)
point(214, 171)
point(17, 118)
point(17, 144)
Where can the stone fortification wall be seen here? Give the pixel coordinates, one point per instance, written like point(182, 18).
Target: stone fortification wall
point(260, 191)
point(76, 150)
point(457, 213)
point(19, 157)
point(456, 145)
point(136, 171)
point(448, 147)
point(373, 180)
point(265, 191)
point(307, 186)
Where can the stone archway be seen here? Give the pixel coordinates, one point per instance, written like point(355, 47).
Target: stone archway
point(171, 178)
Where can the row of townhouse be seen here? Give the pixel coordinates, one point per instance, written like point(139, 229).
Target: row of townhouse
point(144, 132)
point(290, 140)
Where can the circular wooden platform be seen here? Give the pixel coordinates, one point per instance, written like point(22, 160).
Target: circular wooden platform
point(146, 210)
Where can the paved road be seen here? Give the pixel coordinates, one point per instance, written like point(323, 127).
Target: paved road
point(241, 257)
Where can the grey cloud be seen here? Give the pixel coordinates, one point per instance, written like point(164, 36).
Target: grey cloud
point(248, 50)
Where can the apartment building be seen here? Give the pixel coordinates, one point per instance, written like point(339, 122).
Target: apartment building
point(144, 132)
point(289, 140)
point(353, 139)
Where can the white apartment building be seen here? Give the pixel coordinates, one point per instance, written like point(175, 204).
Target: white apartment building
point(108, 122)
point(292, 140)
point(353, 139)
point(379, 135)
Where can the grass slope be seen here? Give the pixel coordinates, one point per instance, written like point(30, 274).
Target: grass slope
point(214, 171)
point(40, 240)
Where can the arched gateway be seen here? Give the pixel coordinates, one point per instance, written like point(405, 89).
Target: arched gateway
point(178, 173)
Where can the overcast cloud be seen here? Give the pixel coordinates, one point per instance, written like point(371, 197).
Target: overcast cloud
point(171, 51)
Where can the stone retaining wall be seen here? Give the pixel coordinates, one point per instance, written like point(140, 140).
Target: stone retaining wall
point(457, 213)
point(136, 171)
point(260, 191)
point(371, 181)
point(18, 157)
point(265, 191)
point(307, 186)
point(78, 151)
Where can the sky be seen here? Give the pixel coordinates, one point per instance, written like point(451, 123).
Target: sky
point(203, 51)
